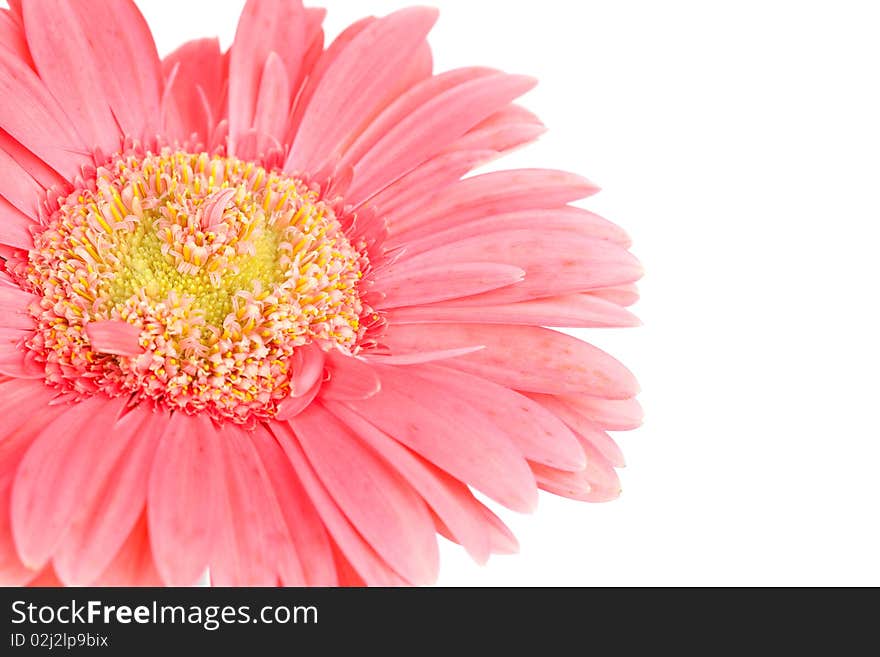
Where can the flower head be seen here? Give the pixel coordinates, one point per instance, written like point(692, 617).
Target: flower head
point(255, 316)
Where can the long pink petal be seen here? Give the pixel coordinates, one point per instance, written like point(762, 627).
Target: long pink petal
point(323, 62)
point(133, 564)
point(12, 36)
point(522, 357)
point(310, 543)
point(501, 539)
point(448, 498)
point(350, 378)
point(578, 263)
point(18, 187)
point(404, 106)
point(126, 63)
point(420, 357)
point(364, 72)
point(430, 128)
point(360, 553)
point(572, 310)
point(13, 308)
point(63, 470)
point(265, 26)
point(598, 482)
point(538, 434)
point(31, 115)
point(424, 183)
point(102, 527)
point(14, 226)
point(610, 414)
point(565, 219)
point(114, 337)
point(489, 194)
point(45, 175)
point(502, 132)
point(584, 427)
point(414, 286)
point(185, 484)
point(451, 434)
point(623, 295)
point(252, 535)
point(15, 359)
point(389, 515)
point(66, 63)
point(200, 72)
point(24, 406)
point(273, 100)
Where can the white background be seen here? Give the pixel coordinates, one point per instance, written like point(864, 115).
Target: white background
point(739, 144)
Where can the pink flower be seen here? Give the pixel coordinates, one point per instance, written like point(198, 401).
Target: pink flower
point(254, 319)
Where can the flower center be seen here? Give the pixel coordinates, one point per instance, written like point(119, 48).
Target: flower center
point(222, 268)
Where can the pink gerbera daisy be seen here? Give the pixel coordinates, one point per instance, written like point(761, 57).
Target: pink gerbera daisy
point(254, 318)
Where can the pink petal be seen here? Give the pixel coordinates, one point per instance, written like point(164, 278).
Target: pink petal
point(427, 181)
point(252, 534)
point(610, 414)
point(427, 130)
point(33, 165)
point(573, 485)
point(387, 513)
point(565, 219)
point(125, 62)
point(215, 206)
point(448, 498)
point(12, 36)
point(361, 554)
point(67, 65)
point(62, 471)
point(273, 101)
point(322, 63)
point(623, 295)
point(522, 357)
point(419, 358)
point(185, 483)
point(405, 105)
point(538, 434)
point(18, 187)
point(350, 378)
point(414, 286)
point(196, 90)
point(46, 578)
point(309, 367)
point(15, 359)
point(501, 539)
point(578, 263)
point(598, 482)
point(102, 527)
point(114, 337)
point(309, 542)
point(451, 434)
point(24, 406)
point(265, 26)
point(31, 115)
point(362, 75)
point(502, 132)
point(586, 429)
point(489, 194)
point(296, 404)
point(14, 227)
point(133, 564)
point(13, 308)
point(314, 37)
point(572, 310)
